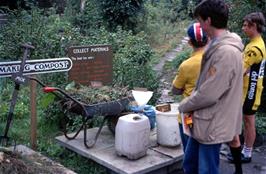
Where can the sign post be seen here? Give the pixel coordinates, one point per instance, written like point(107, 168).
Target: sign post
point(40, 66)
point(18, 70)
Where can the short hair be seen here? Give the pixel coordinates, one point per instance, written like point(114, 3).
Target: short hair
point(256, 18)
point(217, 10)
point(196, 35)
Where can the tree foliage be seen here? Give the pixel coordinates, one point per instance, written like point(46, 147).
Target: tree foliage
point(48, 33)
point(121, 13)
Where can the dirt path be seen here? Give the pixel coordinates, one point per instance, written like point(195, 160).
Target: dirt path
point(167, 77)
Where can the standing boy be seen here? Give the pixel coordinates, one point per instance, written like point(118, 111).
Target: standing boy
point(188, 71)
point(215, 104)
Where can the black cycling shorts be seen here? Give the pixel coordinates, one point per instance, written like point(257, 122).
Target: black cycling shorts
point(247, 107)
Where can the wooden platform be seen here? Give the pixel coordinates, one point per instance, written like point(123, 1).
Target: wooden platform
point(159, 160)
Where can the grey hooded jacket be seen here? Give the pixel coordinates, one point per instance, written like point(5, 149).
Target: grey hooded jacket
point(216, 102)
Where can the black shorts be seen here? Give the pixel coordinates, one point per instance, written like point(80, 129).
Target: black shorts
point(247, 107)
point(248, 112)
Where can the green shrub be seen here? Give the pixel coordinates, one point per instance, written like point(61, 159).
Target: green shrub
point(183, 55)
point(131, 64)
point(88, 19)
point(164, 25)
point(50, 34)
point(121, 13)
point(261, 123)
point(21, 110)
point(42, 31)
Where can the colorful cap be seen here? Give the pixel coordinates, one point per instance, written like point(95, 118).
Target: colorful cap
point(196, 33)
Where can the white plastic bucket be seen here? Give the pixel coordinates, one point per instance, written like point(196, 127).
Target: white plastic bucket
point(132, 136)
point(174, 107)
point(168, 129)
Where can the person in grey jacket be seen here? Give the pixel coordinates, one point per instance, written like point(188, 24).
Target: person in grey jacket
point(216, 103)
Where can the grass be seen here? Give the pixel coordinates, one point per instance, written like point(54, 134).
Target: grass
point(167, 38)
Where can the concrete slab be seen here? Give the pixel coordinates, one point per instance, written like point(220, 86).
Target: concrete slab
point(104, 153)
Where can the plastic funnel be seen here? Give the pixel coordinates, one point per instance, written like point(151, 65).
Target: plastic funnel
point(142, 97)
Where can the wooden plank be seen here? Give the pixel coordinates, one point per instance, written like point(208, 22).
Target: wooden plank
point(104, 153)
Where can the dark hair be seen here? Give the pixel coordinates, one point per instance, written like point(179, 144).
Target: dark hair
point(256, 18)
point(217, 10)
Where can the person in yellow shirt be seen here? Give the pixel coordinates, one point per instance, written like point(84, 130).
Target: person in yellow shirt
point(254, 64)
point(187, 74)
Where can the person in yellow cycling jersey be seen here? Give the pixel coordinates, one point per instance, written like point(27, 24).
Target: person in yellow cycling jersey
point(188, 71)
point(254, 64)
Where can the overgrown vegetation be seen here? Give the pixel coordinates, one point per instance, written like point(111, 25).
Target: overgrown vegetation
point(140, 32)
point(133, 39)
point(183, 55)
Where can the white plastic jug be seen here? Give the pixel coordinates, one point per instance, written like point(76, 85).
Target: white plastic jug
point(167, 128)
point(132, 136)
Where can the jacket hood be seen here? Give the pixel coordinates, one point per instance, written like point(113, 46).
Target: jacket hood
point(227, 39)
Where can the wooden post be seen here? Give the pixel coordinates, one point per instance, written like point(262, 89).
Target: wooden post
point(33, 124)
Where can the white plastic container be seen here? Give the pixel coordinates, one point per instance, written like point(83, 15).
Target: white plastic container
point(174, 107)
point(167, 128)
point(132, 136)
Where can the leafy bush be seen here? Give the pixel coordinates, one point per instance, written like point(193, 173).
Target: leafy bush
point(183, 55)
point(163, 25)
point(131, 64)
point(21, 110)
point(88, 19)
point(238, 9)
point(261, 123)
point(121, 13)
point(43, 31)
point(50, 34)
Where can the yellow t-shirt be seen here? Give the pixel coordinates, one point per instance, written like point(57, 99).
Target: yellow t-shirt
point(187, 74)
point(254, 64)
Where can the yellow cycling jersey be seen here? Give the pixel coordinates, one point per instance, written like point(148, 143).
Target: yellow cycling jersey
point(254, 64)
